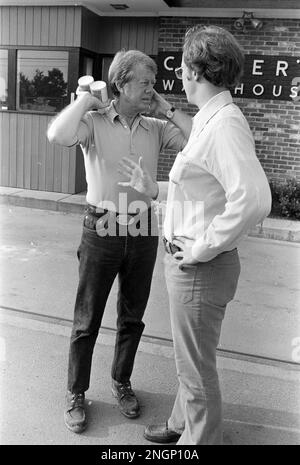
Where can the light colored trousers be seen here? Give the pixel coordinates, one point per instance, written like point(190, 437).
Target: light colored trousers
point(198, 296)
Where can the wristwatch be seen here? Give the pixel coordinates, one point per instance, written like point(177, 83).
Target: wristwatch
point(170, 112)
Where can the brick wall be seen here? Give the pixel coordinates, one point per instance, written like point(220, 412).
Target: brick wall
point(275, 124)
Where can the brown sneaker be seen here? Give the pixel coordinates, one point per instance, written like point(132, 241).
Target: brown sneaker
point(74, 415)
point(126, 398)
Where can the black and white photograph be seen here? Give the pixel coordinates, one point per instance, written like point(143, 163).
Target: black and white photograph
point(149, 226)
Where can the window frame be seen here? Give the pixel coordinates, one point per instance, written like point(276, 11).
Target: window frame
point(6, 78)
point(73, 67)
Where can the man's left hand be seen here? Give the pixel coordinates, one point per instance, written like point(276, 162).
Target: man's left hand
point(138, 177)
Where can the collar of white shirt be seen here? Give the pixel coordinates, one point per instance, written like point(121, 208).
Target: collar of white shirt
point(211, 108)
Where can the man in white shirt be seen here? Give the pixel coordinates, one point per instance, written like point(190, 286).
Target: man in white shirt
point(217, 192)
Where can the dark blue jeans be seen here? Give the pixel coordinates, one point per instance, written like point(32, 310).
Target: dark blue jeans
point(101, 259)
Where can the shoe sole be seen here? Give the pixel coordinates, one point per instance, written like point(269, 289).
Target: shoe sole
point(76, 429)
point(160, 440)
point(127, 415)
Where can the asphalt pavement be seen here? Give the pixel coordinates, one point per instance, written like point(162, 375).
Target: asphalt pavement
point(257, 358)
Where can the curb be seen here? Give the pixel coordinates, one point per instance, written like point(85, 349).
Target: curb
point(271, 228)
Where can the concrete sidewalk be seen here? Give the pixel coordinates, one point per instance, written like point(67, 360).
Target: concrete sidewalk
point(279, 229)
point(261, 396)
point(261, 402)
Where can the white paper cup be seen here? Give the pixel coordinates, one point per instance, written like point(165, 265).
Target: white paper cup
point(99, 90)
point(84, 83)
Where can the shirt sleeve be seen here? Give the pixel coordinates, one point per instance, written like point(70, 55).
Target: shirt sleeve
point(85, 133)
point(234, 164)
point(172, 137)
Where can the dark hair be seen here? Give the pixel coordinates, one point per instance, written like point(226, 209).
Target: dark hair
point(121, 69)
point(215, 54)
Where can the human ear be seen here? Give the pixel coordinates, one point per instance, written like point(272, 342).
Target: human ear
point(119, 87)
point(195, 75)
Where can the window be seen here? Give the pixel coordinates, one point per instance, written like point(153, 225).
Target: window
point(42, 80)
point(3, 78)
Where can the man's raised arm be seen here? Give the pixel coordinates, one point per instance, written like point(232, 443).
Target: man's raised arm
point(65, 129)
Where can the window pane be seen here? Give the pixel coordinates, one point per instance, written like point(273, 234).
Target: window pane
point(3, 78)
point(42, 80)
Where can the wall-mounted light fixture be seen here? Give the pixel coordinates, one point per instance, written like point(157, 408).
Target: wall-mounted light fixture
point(247, 18)
point(119, 6)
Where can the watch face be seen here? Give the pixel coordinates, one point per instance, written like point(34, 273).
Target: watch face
point(170, 114)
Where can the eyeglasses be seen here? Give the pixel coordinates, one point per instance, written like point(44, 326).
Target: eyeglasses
point(178, 72)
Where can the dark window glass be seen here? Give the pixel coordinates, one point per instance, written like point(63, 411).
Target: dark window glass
point(42, 80)
point(3, 78)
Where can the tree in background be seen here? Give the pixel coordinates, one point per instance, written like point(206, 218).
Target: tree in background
point(43, 89)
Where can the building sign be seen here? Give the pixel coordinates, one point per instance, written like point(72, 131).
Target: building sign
point(265, 77)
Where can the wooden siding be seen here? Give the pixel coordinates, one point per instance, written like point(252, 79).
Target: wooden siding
point(107, 35)
point(45, 26)
point(29, 161)
point(242, 4)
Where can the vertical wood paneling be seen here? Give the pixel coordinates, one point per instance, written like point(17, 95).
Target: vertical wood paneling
point(29, 26)
point(61, 26)
point(29, 161)
point(12, 135)
point(49, 164)
point(107, 35)
point(69, 31)
point(5, 25)
point(53, 27)
point(42, 153)
point(151, 37)
point(27, 151)
point(57, 169)
point(5, 150)
point(20, 152)
point(1, 27)
point(35, 131)
point(115, 36)
point(72, 172)
point(1, 148)
point(40, 26)
point(13, 26)
point(140, 43)
point(133, 35)
point(21, 23)
point(77, 28)
point(45, 26)
point(124, 35)
point(37, 17)
point(65, 169)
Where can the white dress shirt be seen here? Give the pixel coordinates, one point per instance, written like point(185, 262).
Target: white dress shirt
point(218, 189)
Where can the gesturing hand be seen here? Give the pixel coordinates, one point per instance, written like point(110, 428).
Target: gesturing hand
point(138, 177)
